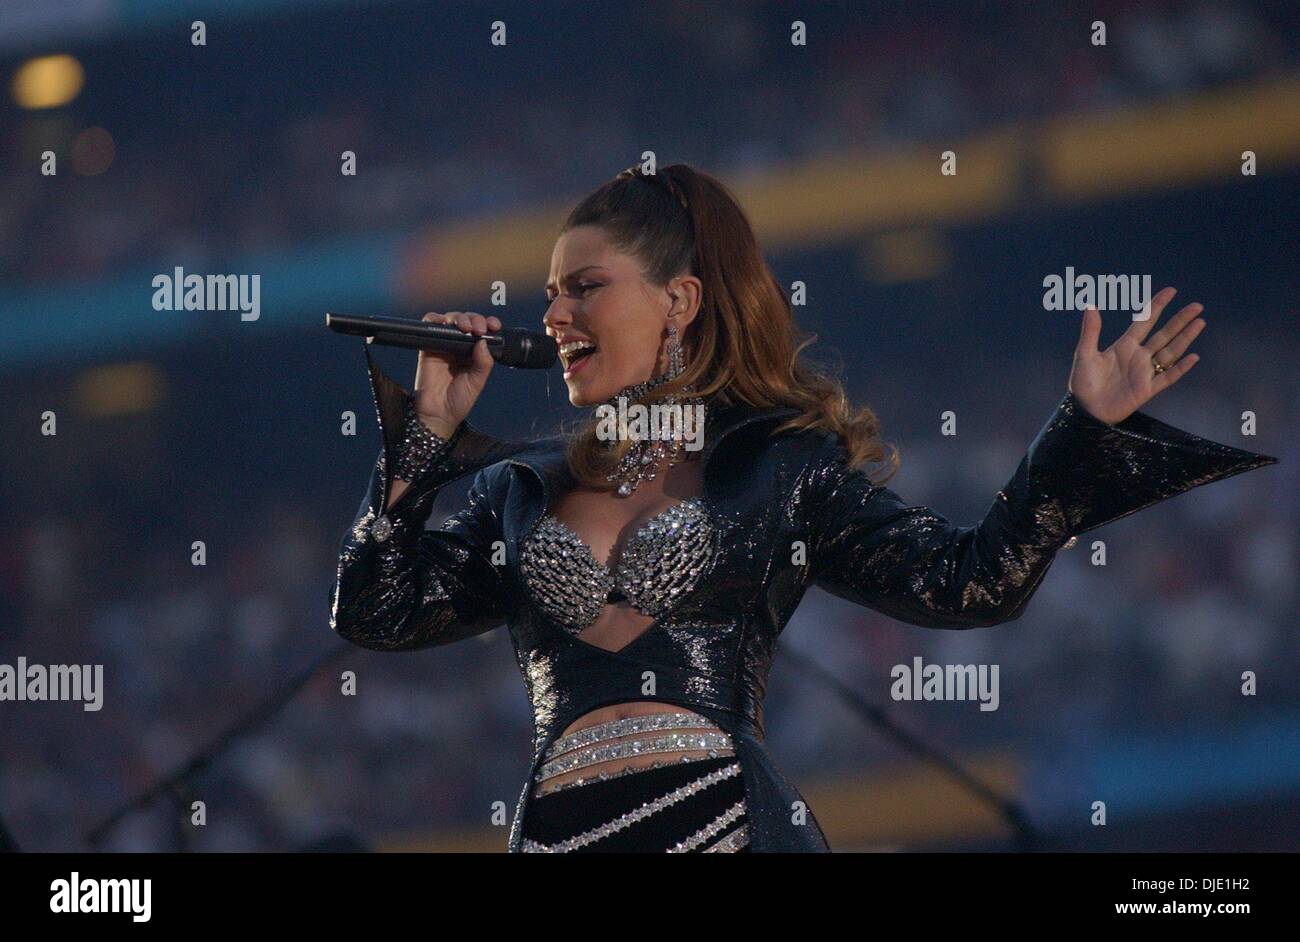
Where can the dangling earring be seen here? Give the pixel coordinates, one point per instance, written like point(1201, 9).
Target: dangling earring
point(676, 356)
point(641, 463)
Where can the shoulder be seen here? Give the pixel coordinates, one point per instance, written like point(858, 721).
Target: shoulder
point(803, 445)
point(817, 464)
point(789, 459)
point(539, 454)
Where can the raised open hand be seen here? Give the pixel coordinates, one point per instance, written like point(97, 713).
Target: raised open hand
point(1114, 383)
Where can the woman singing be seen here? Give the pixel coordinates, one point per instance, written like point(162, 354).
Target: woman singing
point(645, 583)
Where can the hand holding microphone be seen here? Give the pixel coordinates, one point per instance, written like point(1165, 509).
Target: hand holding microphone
point(447, 384)
point(454, 362)
point(457, 351)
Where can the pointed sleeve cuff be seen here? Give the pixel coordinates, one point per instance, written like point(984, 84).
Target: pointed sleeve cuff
point(470, 449)
point(1081, 473)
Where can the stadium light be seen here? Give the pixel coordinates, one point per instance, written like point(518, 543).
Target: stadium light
point(47, 82)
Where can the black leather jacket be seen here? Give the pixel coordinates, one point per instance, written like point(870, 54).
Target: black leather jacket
point(768, 495)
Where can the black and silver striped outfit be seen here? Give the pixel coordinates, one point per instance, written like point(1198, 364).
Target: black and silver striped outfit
point(684, 806)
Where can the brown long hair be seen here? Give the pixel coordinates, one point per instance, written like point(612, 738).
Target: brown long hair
point(744, 344)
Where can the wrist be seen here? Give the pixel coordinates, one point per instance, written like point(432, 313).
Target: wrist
point(438, 426)
point(422, 447)
point(1088, 410)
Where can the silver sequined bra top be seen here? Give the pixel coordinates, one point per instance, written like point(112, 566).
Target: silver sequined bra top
point(662, 562)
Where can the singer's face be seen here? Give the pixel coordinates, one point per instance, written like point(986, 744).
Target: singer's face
point(598, 295)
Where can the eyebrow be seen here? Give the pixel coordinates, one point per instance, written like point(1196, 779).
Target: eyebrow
point(574, 274)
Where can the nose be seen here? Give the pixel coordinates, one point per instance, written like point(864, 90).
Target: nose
point(556, 317)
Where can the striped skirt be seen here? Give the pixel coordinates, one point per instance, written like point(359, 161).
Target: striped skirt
point(684, 806)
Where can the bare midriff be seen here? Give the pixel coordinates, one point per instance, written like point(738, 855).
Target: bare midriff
point(620, 711)
point(604, 521)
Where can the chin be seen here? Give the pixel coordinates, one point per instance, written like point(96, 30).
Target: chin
point(597, 388)
point(584, 394)
point(582, 399)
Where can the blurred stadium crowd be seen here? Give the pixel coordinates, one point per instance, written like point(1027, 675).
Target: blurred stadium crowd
point(1196, 591)
point(219, 181)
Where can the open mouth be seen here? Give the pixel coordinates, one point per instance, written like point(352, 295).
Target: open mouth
point(576, 357)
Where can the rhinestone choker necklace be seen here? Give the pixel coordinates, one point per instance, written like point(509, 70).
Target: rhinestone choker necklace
point(646, 455)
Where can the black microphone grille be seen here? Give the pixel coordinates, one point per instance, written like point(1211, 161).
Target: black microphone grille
point(528, 350)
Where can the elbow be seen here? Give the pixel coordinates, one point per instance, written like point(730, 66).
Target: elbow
point(374, 630)
point(961, 621)
point(985, 606)
point(996, 616)
point(1009, 608)
point(379, 636)
point(354, 628)
point(356, 631)
point(983, 614)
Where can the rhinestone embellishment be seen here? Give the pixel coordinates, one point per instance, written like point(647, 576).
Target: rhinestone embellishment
point(713, 828)
point(613, 731)
point(667, 558)
point(420, 450)
point(624, 821)
point(628, 725)
point(381, 529)
point(669, 742)
point(605, 776)
point(568, 583)
point(733, 842)
point(662, 562)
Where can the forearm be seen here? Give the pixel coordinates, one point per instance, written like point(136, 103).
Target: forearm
point(1079, 474)
point(401, 587)
point(375, 603)
point(400, 485)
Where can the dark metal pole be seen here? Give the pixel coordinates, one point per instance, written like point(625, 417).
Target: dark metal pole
point(177, 785)
point(1026, 835)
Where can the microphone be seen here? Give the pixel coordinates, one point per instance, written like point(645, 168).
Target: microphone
point(513, 346)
